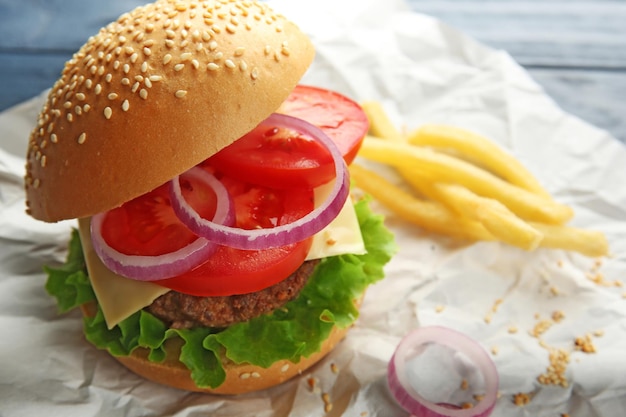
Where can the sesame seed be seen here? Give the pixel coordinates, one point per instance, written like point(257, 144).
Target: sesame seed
point(108, 112)
point(195, 63)
point(155, 78)
point(97, 89)
point(170, 33)
point(211, 66)
point(125, 81)
point(116, 65)
point(134, 57)
point(144, 67)
point(82, 138)
point(256, 375)
point(254, 74)
point(148, 43)
point(129, 50)
point(147, 82)
point(284, 368)
point(243, 65)
point(112, 96)
point(54, 138)
point(80, 96)
point(70, 117)
point(212, 46)
point(135, 87)
point(125, 105)
point(179, 67)
point(230, 28)
point(43, 160)
point(169, 43)
point(67, 104)
point(245, 375)
point(88, 83)
point(147, 51)
point(36, 183)
point(181, 93)
point(78, 110)
point(186, 56)
point(126, 68)
point(239, 51)
point(143, 93)
point(108, 77)
point(230, 64)
point(166, 59)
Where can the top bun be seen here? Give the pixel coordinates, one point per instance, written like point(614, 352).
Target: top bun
point(151, 95)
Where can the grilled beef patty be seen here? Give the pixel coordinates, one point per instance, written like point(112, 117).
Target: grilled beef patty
point(184, 311)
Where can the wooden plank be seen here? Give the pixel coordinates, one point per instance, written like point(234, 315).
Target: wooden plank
point(572, 33)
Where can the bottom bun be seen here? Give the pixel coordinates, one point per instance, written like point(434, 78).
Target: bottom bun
point(240, 378)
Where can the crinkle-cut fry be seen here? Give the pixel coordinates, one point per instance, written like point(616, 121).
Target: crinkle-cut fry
point(380, 124)
point(445, 168)
point(591, 243)
point(496, 217)
point(480, 150)
point(429, 215)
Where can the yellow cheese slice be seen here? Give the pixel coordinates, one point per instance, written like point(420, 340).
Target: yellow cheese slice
point(341, 236)
point(120, 297)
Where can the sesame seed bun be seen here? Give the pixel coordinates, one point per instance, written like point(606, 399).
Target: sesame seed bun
point(151, 95)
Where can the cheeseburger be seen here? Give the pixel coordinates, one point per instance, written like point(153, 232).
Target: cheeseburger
point(218, 248)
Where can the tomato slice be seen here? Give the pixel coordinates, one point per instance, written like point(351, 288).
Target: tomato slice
point(148, 225)
point(341, 118)
point(234, 271)
point(276, 157)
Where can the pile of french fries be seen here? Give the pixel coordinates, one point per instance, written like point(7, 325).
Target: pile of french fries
point(463, 185)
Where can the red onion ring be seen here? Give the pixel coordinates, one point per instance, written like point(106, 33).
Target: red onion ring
point(153, 268)
point(408, 397)
point(281, 235)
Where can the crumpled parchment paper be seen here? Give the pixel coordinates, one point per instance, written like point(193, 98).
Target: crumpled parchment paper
point(520, 306)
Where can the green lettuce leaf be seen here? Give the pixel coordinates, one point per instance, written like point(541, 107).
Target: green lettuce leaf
point(297, 330)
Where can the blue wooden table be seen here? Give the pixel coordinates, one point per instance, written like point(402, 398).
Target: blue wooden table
point(576, 49)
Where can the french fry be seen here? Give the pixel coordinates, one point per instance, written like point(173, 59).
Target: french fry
point(591, 243)
point(445, 168)
point(492, 214)
point(430, 215)
point(479, 150)
point(380, 124)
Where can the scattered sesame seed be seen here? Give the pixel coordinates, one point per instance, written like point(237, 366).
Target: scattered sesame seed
point(134, 57)
point(70, 117)
point(179, 67)
point(211, 66)
point(125, 105)
point(125, 81)
point(54, 138)
point(143, 93)
point(112, 96)
point(147, 82)
point(239, 51)
point(230, 64)
point(181, 93)
point(155, 78)
point(284, 368)
point(135, 87)
point(43, 161)
point(126, 68)
point(80, 96)
point(186, 56)
point(82, 138)
point(245, 375)
point(147, 51)
point(144, 66)
point(108, 112)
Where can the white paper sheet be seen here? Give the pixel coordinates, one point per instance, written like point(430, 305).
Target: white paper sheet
point(423, 71)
